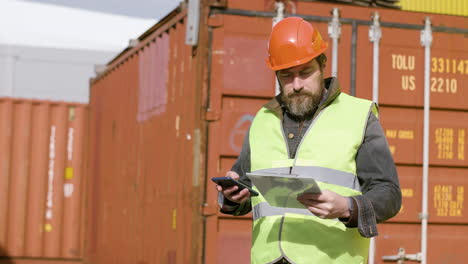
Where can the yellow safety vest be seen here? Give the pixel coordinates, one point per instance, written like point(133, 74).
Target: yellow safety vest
point(327, 153)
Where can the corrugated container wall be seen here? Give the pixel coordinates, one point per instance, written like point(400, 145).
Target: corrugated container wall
point(146, 153)
point(42, 179)
point(166, 117)
point(448, 7)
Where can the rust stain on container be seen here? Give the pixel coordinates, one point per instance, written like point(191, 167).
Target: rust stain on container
point(33, 144)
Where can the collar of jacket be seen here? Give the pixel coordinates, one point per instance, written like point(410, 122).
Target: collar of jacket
point(333, 90)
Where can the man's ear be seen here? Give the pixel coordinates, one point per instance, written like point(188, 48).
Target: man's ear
point(324, 64)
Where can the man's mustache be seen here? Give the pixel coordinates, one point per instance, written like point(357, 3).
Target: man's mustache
point(294, 94)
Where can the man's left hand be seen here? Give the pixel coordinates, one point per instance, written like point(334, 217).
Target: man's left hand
point(326, 205)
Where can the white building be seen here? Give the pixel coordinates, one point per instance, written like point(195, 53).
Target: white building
point(49, 52)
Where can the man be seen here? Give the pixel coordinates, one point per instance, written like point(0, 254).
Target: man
point(313, 130)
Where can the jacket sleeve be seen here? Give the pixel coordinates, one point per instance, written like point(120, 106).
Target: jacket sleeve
point(241, 167)
point(377, 175)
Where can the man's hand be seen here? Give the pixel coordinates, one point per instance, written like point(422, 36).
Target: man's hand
point(327, 205)
point(231, 193)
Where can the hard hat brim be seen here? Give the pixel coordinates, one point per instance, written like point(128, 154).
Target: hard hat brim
point(296, 62)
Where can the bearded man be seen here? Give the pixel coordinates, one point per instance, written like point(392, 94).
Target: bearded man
point(313, 130)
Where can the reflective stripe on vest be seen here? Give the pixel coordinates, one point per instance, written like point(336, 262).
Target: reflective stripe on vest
point(327, 154)
point(324, 176)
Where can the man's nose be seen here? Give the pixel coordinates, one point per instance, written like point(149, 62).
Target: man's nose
point(298, 83)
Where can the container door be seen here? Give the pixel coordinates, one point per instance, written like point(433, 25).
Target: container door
point(240, 84)
point(401, 93)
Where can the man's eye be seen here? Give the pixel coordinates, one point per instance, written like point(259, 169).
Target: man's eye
point(285, 74)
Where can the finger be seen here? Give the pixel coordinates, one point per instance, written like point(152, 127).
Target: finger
point(309, 199)
point(314, 196)
point(233, 175)
point(228, 192)
point(219, 188)
point(318, 212)
point(243, 200)
point(319, 205)
point(241, 196)
point(325, 196)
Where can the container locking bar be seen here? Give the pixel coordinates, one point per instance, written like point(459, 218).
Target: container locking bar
point(279, 7)
point(334, 31)
point(193, 20)
point(426, 42)
point(375, 34)
point(402, 256)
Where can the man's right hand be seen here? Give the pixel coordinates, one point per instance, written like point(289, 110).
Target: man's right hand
point(232, 193)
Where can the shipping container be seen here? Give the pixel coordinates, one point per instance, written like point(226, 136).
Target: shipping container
point(42, 179)
point(448, 7)
point(167, 116)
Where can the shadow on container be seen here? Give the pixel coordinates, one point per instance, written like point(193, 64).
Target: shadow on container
point(4, 258)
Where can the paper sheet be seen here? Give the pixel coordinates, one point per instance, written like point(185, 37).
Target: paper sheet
point(281, 190)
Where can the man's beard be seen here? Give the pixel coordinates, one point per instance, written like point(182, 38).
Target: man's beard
point(304, 103)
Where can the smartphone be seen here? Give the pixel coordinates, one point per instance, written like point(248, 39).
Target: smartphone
point(227, 182)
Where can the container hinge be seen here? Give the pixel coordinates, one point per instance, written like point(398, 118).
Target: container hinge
point(217, 3)
point(212, 115)
point(423, 216)
point(375, 32)
point(215, 21)
point(279, 7)
point(209, 210)
point(402, 256)
point(193, 20)
point(334, 27)
point(426, 33)
point(334, 31)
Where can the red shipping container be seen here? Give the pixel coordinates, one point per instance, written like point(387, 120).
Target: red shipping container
point(166, 117)
point(42, 178)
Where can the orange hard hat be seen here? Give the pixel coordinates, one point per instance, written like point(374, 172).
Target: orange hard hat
point(293, 41)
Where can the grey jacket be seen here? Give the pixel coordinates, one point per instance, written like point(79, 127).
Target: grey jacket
point(376, 172)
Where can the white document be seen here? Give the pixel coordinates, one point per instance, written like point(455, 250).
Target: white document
point(281, 190)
